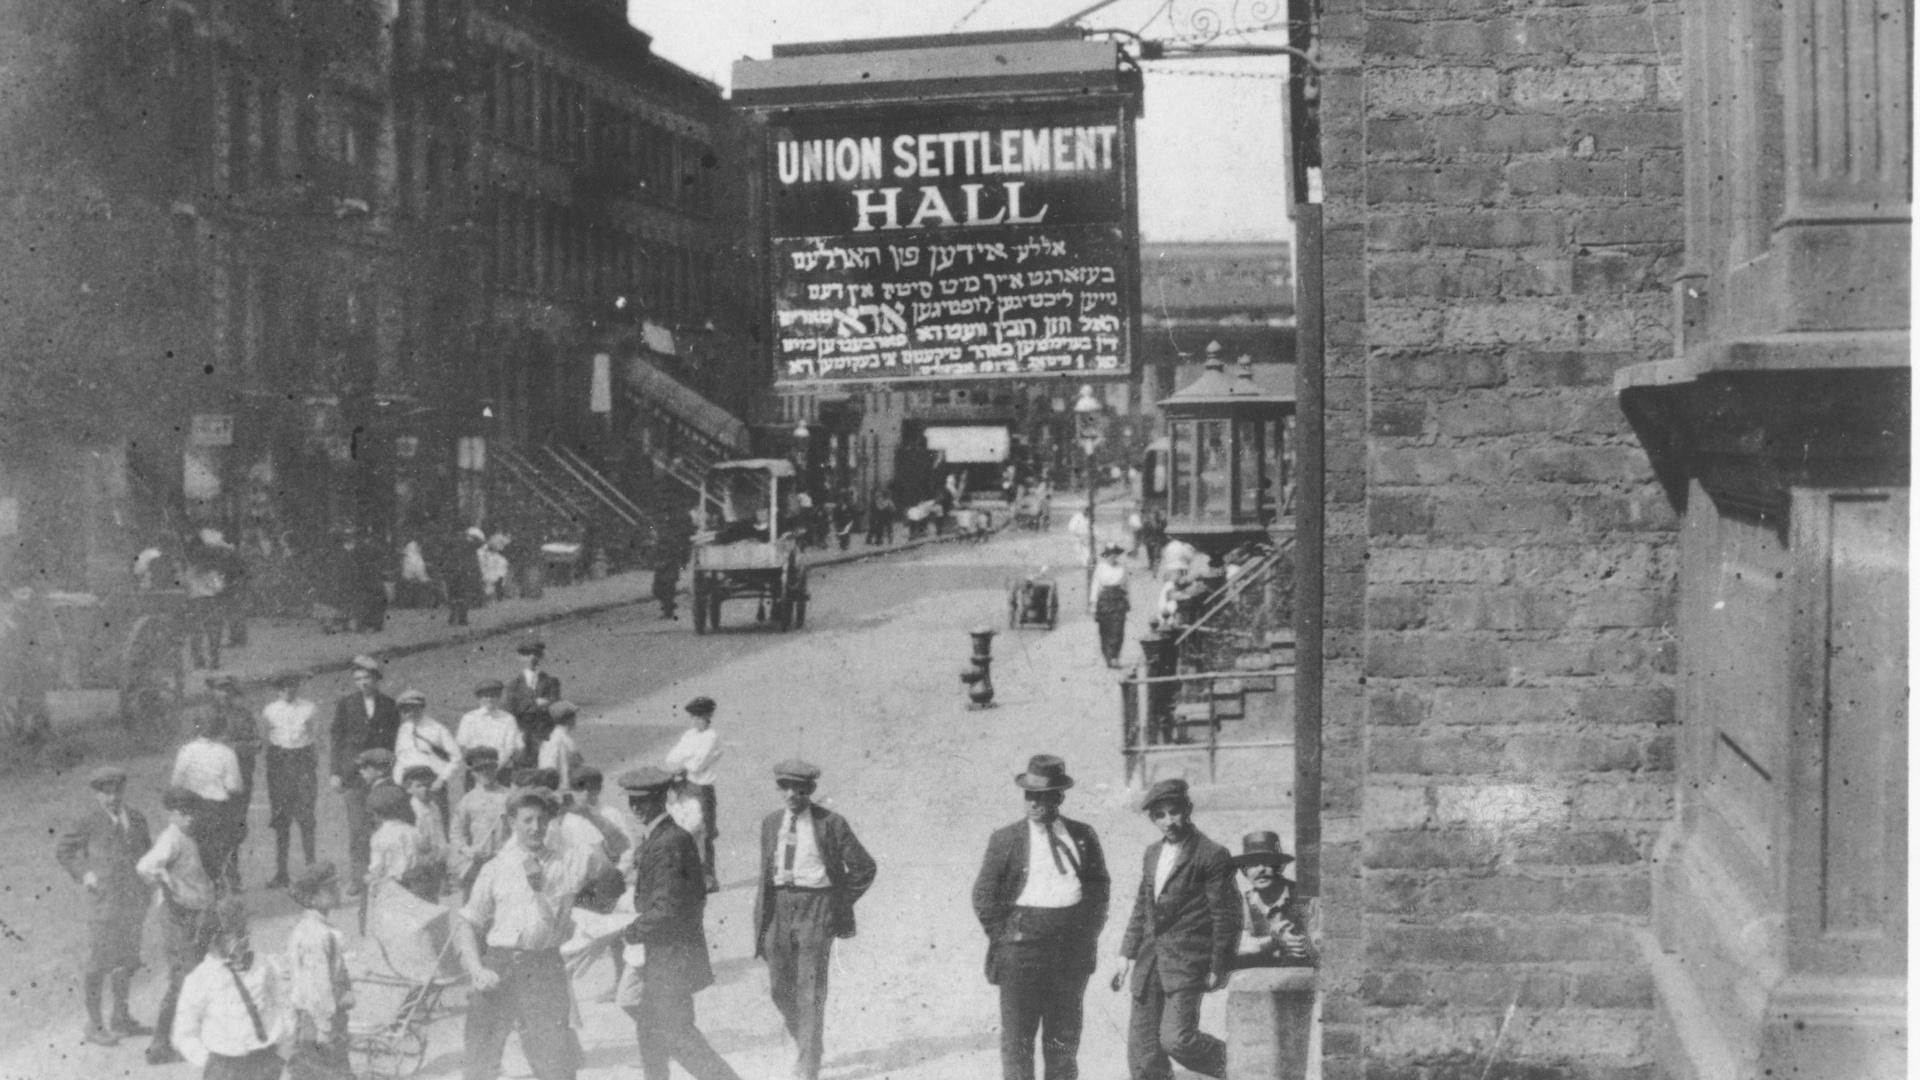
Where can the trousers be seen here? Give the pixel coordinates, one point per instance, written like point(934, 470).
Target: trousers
point(1164, 1026)
point(359, 836)
point(798, 945)
point(533, 998)
point(265, 1064)
point(1050, 1002)
point(664, 1025)
point(187, 932)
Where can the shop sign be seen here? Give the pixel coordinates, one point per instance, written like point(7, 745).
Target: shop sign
point(211, 429)
point(953, 241)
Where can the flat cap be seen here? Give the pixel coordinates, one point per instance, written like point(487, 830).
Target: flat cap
point(795, 769)
point(588, 778)
point(536, 647)
point(107, 776)
point(179, 798)
point(478, 756)
point(646, 780)
point(1164, 790)
point(366, 663)
point(562, 710)
point(489, 686)
point(288, 678)
point(411, 697)
point(422, 773)
point(378, 757)
point(701, 706)
point(308, 883)
point(386, 799)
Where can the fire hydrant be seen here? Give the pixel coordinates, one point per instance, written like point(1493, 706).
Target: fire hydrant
point(979, 677)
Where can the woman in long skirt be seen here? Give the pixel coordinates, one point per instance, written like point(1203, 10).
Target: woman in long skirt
point(1109, 602)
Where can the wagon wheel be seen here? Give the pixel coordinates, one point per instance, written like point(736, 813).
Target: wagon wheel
point(152, 677)
point(781, 599)
point(1053, 607)
point(699, 604)
point(800, 601)
point(713, 606)
point(1013, 607)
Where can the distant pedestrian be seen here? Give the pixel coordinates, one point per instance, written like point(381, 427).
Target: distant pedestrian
point(880, 519)
point(319, 989)
point(1041, 896)
point(455, 560)
point(173, 866)
point(527, 697)
point(1180, 941)
point(210, 769)
point(242, 733)
point(488, 725)
point(669, 904)
point(1108, 602)
point(206, 584)
point(293, 771)
point(363, 719)
point(812, 872)
point(694, 759)
point(521, 910)
point(101, 851)
point(672, 547)
point(367, 565)
point(233, 1008)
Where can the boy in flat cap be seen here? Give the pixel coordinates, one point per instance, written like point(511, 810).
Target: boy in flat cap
point(527, 697)
point(293, 771)
point(1041, 896)
point(669, 904)
point(101, 850)
point(363, 719)
point(488, 725)
point(695, 758)
point(425, 742)
point(1274, 933)
point(233, 1006)
point(479, 825)
point(1180, 941)
point(173, 866)
point(319, 989)
point(241, 732)
point(812, 871)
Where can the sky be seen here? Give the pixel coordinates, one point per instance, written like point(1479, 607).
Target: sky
point(1211, 143)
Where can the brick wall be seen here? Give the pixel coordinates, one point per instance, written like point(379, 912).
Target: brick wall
point(1503, 186)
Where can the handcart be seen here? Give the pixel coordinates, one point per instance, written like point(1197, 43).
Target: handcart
point(400, 979)
point(1033, 601)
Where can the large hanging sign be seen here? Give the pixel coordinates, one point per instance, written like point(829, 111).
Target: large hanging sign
point(954, 243)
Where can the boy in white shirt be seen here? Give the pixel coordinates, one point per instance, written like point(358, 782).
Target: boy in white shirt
point(489, 725)
point(480, 821)
point(558, 751)
point(290, 728)
point(320, 991)
point(431, 872)
point(233, 1006)
point(693, 760)
point(425, 742)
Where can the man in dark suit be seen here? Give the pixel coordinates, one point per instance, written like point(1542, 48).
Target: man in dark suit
point(1041, 896)
point(100, 851)
point(363, 719)
point(812, 871)
point(669, 904)
point(527, 696)
point(1180, 941)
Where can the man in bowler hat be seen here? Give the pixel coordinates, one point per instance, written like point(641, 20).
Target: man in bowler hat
point(812, 871)
point(1041, 896)
point(1180, 941)
point(669, 904)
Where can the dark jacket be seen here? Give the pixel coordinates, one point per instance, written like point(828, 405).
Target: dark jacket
point(670, 906)
point(1003, 873)
point(353, 731)
point(1191, 929)
point(93, 842)
point(535, 724)
point(850, 870)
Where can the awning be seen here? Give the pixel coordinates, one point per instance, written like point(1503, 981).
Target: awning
point(648, 382)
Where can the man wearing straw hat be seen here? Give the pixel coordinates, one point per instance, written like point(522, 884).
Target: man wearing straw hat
point(1180, 941)
point(1041, 896)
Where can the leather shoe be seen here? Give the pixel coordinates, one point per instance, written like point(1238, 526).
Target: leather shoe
point(278, 881)
point(163, 1054)
point(127, 1025)
point(100, 1036)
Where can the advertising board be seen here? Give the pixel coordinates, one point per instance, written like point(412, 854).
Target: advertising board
point(952, 242)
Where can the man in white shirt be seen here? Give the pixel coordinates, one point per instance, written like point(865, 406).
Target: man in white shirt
point(233, 1006)
point(1041, 896)
point(521, 906)
point(290, 726)
point(211, 770)
point(422, 740)
point(489, 725)
point(694, 759)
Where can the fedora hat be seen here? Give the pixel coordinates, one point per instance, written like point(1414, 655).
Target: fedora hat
point(1044, 773)
point(1261, 848)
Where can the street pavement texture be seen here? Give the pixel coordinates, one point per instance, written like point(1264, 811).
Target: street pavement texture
point(869, 691)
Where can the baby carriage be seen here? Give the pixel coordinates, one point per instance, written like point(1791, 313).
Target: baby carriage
point(401, 974)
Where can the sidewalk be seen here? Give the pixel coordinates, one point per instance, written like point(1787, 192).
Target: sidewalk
point(298, 646)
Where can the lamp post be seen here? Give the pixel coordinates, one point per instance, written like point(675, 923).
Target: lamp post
point(1086, 426)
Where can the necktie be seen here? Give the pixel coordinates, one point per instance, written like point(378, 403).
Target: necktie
point(792, 842)
point(1060, 850)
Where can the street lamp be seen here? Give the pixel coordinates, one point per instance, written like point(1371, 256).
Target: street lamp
point(1086, 426)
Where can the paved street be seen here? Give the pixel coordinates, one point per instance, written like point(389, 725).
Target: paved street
point(869, 691)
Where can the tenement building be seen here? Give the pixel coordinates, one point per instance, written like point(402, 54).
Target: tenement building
point(1613, 300)
point(387, 271)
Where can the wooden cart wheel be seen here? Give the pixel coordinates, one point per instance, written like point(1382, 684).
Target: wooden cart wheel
point(699, 605)
point(152, 676)
point(1013, 607)
point(1053, 607)
point(800, 603)
point(713, 607)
